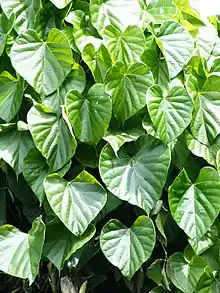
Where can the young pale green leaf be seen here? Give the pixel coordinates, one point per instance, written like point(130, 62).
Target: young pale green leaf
point(35, 170)
point(130, 131)
point(76, 203)
point(128, 88)
point(183, 274)
point(176, 44)
point(162, 10)
point(137, 178)
point(98, 61)
point(170, 114)
point(75, 80)
point(195, 206)
point(120, 14)
point(205, 125)
point(52, 137)
point(89, 115)
point(60, 243)
point(48, 63)
point(185, 6)
point(21, 252)
point(128, 248)
point(60, 3)
point(126, 46)
point(14, 145)
point(208, 283)
point(11, 93)
point(25, 12)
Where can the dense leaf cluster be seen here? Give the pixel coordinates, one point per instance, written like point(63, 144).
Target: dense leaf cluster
point(109, 146)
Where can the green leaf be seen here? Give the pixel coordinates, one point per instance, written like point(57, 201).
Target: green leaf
point(183, 274)
point(195, 206)
point(128, 248)
point(52, 137)
point(21, 252)
point(35, 170)
point(208, 283)
point(128, 88)
point(176, 44)
point(76, 203)
point(149, 126)
point(6, 26)
point(11, 93)
point(60, 3)
point(60, 243)
point(120, 14)
point(205, 40)
point(154, 271)
point(126, 46)
point(25, 12)
point(75, 80)
point(48, 62)
point(89, 115)
point(138, 173)
point(200, 150)
point(158, 289)
point(170, 114)
point(212, 256)
point(161, 75)
point(130, 131)
point(205, 125)
point(14, 145)
point(161, 10)
point(83, 32)
point(206, 241)
point(98, 61)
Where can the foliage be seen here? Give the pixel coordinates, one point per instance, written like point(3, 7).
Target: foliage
point(109, 147)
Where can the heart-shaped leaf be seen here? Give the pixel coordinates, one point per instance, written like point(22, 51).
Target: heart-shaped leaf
point(120, 14)
point(195, 206)
point(170, 114)
point(127, 46)
point(128, 248)
point(77, 202)
point(128, 88)
point(183, 274)
point(138, 173)
point(48, 62)
point(176, 45)
point(21, 252)
point(60, 243)
point(89, 114)
point(51, 136)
